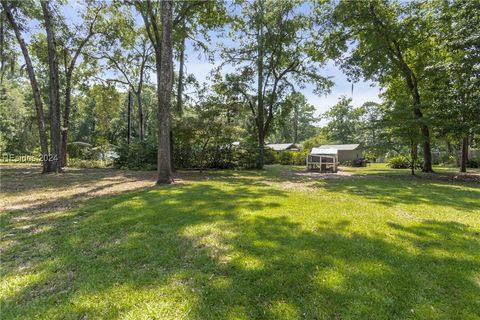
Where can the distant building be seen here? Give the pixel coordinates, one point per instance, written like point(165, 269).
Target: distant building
point(323, 160)
point(345, 152)
point(283, 147)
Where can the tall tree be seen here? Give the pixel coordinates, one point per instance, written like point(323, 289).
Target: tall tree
point(161, 38)
point(272, 56)
point(455, 77)
point(165, 79)
point(390, 41)
point(74, 43)
point(54, 92)
point(132, 65)
point(160, 35)
point(296, 121)
point(8, 7)
point(343, 121)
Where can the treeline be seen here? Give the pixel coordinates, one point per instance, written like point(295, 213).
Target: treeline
point(114, 75)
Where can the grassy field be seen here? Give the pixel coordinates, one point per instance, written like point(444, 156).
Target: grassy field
point(370, 243)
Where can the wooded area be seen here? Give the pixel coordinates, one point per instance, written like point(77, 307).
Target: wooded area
point(114, 76)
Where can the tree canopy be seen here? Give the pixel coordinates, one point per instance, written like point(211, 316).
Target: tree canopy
point(116, 75)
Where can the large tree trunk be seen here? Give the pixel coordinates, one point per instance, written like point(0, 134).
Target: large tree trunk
point(2, 46)
point(427, 150)
point(164, 62)
point(66, 119)
point(35, 90)
point(141, 126)
point(129, 117)
point(54, 90)
point(180, 78)
point(260, 101)
point(464, 155)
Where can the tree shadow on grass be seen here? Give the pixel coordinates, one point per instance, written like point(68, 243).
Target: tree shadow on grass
point(18, 179)
point(332, 273)
point(221, 251)
point(408, 191)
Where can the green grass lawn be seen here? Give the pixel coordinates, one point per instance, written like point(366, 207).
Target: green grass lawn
point(249, 245)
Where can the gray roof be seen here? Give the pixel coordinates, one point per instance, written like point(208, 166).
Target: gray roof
point(322, 151)
point(282, 146)
point(340, 146)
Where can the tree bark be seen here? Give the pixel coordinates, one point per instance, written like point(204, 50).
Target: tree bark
point(68, 93)
point(35, 89)
point(260, 101)
point(164, 62)
point(54, 90)
point(141, 127)
point(66, 119)
point(141, 115)
point(464, 155)
point(129, 117)
point(179, 106)
point(2, 45)
point(413, 87)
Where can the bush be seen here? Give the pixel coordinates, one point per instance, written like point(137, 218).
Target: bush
point(270, 156)
point(290, 157)
point(398, 162)
point(283, 157)
point(246, 157)
point(80, 163)
point(299, 157)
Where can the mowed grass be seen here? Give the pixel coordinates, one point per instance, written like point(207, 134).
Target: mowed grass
point(250, 245)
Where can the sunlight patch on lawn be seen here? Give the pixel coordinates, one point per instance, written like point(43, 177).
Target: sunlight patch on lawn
point(284, 310)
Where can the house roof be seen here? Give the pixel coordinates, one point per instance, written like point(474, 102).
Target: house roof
point(326, 151)
point(282, 146)
point(340, 146)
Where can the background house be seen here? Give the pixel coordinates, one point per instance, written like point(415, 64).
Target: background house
point(283, 147)
point(346, 152)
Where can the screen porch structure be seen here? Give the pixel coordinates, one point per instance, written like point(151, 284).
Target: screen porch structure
point(323, 160)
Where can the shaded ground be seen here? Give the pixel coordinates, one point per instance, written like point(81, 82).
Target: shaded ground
point(105, 244)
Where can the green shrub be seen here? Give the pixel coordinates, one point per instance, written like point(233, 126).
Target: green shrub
point(283, 157)
point(270, 156)
point(398, 162)
point(290, 157)
point(299, 157)
point(245, 157)
point(81, 163)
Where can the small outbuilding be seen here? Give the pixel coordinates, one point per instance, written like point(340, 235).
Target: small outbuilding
point(346, 152)
point(323, 160)
point(283, 146)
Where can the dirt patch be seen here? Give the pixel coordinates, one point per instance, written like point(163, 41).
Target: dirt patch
point(26, 189)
